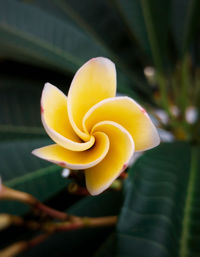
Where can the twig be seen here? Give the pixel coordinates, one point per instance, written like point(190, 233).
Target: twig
point(18, 247)
point(50, 228)
point(11, 194)
point(74, 222)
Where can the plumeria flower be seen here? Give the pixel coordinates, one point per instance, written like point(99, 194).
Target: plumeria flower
point(94, 130)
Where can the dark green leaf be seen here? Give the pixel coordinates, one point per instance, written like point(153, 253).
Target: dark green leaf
point(40, 36)
point(23, 171)
point(185, 23)
point(20, 133)
point(20, 104)
point(160, 215)
point(98, 27)
point(132, 13)
point(92, 22)
point(148, 22)
point(156, 17)
point(30, 34)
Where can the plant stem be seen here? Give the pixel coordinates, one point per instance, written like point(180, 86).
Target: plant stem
point(86, 222)
point(13, 249)
point(51, 227)
point(11, 194)
point(74, 222)
point(21, 246)
point(70, 220)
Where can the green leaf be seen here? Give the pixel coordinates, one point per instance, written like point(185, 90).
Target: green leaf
point(185, 23)
point(32, 35)
point(51, 39)
point(131, 12)
point(20, 105)
point(20, 133)
point(112, 41)
point(148, 23)
point(160, 214)
point(23, 171)
point(156, 17)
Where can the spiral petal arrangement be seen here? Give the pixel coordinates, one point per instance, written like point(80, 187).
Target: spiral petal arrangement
point(94, 130)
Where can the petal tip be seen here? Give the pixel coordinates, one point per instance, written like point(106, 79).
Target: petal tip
point(99, 190)
point(34, 152)
point(47, 85)
point(156, 139)
point(95, 192)
point(102, 61)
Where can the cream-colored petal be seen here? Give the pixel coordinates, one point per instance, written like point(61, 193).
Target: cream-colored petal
point(126, 112)
point(76, 160)
point(101, 176)
point(56, 122)
point(93, 82)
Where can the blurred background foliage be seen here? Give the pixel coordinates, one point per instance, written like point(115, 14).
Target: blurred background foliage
point(156, 48)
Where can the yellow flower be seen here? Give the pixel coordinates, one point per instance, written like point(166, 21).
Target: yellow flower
point(94, 130)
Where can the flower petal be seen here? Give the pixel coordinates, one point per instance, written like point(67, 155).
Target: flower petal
point(100, 177)
point(93, 82)
point(76, 160)
point(126, 112)
point(56, 122)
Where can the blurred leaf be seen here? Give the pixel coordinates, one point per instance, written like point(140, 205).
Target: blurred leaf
point(23, 171)
point(191, 24)
point(156, 17)
point(20, 104)
point(160, 215)
point(148, 23)
point(71, 12)
point(81, 242)
point(30, 34)
point(133, 16)
point(109, 247)
point(20, 133)
point(185, 23)
point(114, 40)
point(46, 39)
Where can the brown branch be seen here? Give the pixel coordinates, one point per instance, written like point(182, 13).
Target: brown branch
point(7, 193)
point(69, 222)
point(18, 247)
point(74, 222)
point(85, 222)
point(50, 228)
point(14, 249)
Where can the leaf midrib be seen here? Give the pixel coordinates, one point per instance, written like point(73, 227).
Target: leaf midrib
point(22, 129)
point(63, 54)
point(32, 175)
point(183, 252)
